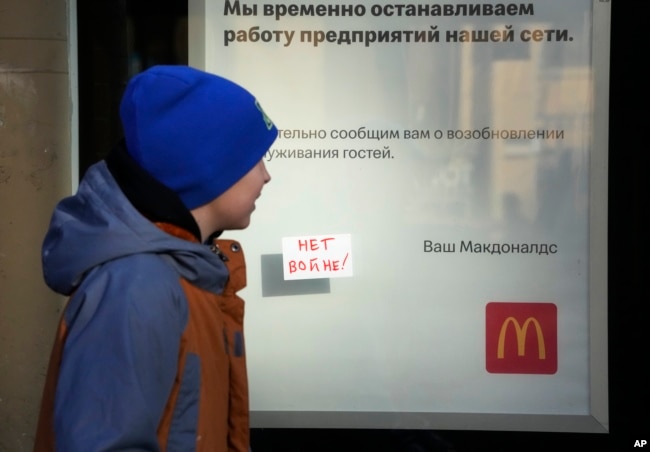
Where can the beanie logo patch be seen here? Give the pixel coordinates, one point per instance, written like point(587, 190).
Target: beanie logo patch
point(267, 120)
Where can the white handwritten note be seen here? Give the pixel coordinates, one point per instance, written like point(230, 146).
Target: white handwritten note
point(317, 256)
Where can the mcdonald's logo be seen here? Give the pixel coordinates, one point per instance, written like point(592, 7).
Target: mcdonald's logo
point(521, 338)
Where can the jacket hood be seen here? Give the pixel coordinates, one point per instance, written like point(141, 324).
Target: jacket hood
point(98, 224)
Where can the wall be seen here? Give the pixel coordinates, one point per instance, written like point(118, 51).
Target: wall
point(35, 172)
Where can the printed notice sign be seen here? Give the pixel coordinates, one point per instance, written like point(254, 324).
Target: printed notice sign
point(455, 142)
point(317, 256)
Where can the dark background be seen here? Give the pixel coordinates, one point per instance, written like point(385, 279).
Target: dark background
point(118, 38)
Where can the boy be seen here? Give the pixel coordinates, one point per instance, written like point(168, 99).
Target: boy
point(149, 354)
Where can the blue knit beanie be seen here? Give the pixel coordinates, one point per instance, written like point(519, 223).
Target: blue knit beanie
point(195, 132)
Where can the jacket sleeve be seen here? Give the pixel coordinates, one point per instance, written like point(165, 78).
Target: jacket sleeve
point(120, 357)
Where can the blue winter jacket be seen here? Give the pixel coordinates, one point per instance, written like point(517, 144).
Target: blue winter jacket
point(149, 353)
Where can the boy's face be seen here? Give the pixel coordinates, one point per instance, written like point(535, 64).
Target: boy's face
point(233, 208)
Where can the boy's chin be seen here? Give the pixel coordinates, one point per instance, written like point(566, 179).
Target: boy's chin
point(241, 224)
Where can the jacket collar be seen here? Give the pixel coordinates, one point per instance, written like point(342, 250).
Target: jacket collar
point(152, 199)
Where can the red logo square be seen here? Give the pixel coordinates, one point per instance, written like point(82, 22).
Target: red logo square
point(521, 338)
